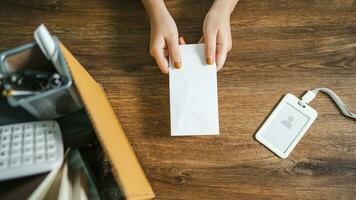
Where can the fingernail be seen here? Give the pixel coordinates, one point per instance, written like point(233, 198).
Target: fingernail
point(209, 60)
point(177, 64)
point(6, 93)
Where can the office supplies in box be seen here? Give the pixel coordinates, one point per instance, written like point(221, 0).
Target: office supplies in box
point(27, 67)
point(126, 169)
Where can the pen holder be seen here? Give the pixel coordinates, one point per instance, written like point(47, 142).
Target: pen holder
point(42, 55)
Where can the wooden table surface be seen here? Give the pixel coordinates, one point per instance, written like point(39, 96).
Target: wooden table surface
point(279, 46)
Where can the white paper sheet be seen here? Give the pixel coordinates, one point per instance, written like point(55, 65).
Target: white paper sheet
point(193, 94)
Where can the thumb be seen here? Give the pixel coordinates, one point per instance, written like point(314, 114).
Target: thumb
point(174, 53)
point(210, 48)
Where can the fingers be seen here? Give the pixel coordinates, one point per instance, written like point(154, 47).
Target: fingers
point(217, 48)
point(181, 41)
point(161, 60)
point(166, 54)
point(160, 54)
point(220, 57)
point(223, 46)
point(161, 50)
point(174, 52)
point(210, 46)
point(201, 40)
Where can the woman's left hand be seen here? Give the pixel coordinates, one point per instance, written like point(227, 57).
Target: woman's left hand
point(217, 34)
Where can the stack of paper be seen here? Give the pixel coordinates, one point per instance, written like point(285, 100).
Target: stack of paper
point(69, 181)
point(193, 94)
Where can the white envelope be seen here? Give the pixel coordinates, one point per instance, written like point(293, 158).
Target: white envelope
point(193, 94)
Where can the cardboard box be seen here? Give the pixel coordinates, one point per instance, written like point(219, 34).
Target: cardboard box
point(48, 54)
point(127, 171)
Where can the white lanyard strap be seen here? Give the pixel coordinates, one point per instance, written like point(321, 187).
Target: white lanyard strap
point(311, 94)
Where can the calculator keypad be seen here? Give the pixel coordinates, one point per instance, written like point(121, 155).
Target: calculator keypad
point(29, 144)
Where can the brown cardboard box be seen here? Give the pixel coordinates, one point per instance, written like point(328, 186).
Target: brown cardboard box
point(127, 171)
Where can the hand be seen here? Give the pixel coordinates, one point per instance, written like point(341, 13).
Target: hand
point(217, 33)
point(164, 40)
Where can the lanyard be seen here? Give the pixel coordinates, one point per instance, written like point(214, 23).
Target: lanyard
point(311, 94)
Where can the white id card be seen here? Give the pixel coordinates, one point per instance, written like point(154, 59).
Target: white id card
point(286, 126)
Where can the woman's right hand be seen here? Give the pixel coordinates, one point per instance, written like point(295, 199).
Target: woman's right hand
point(164, 40)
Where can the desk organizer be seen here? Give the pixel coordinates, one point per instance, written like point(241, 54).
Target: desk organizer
point(41, 55)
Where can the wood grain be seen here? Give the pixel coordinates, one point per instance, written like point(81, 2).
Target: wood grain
point(279, 46)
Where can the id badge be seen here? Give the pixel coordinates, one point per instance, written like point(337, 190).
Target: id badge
point(286, 125)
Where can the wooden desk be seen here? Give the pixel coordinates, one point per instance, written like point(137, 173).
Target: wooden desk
point(278, 47)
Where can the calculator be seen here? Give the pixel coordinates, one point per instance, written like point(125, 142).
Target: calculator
point(29, 148)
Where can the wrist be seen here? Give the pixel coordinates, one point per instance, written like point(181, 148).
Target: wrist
point(154, 7)
point(224, 6)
